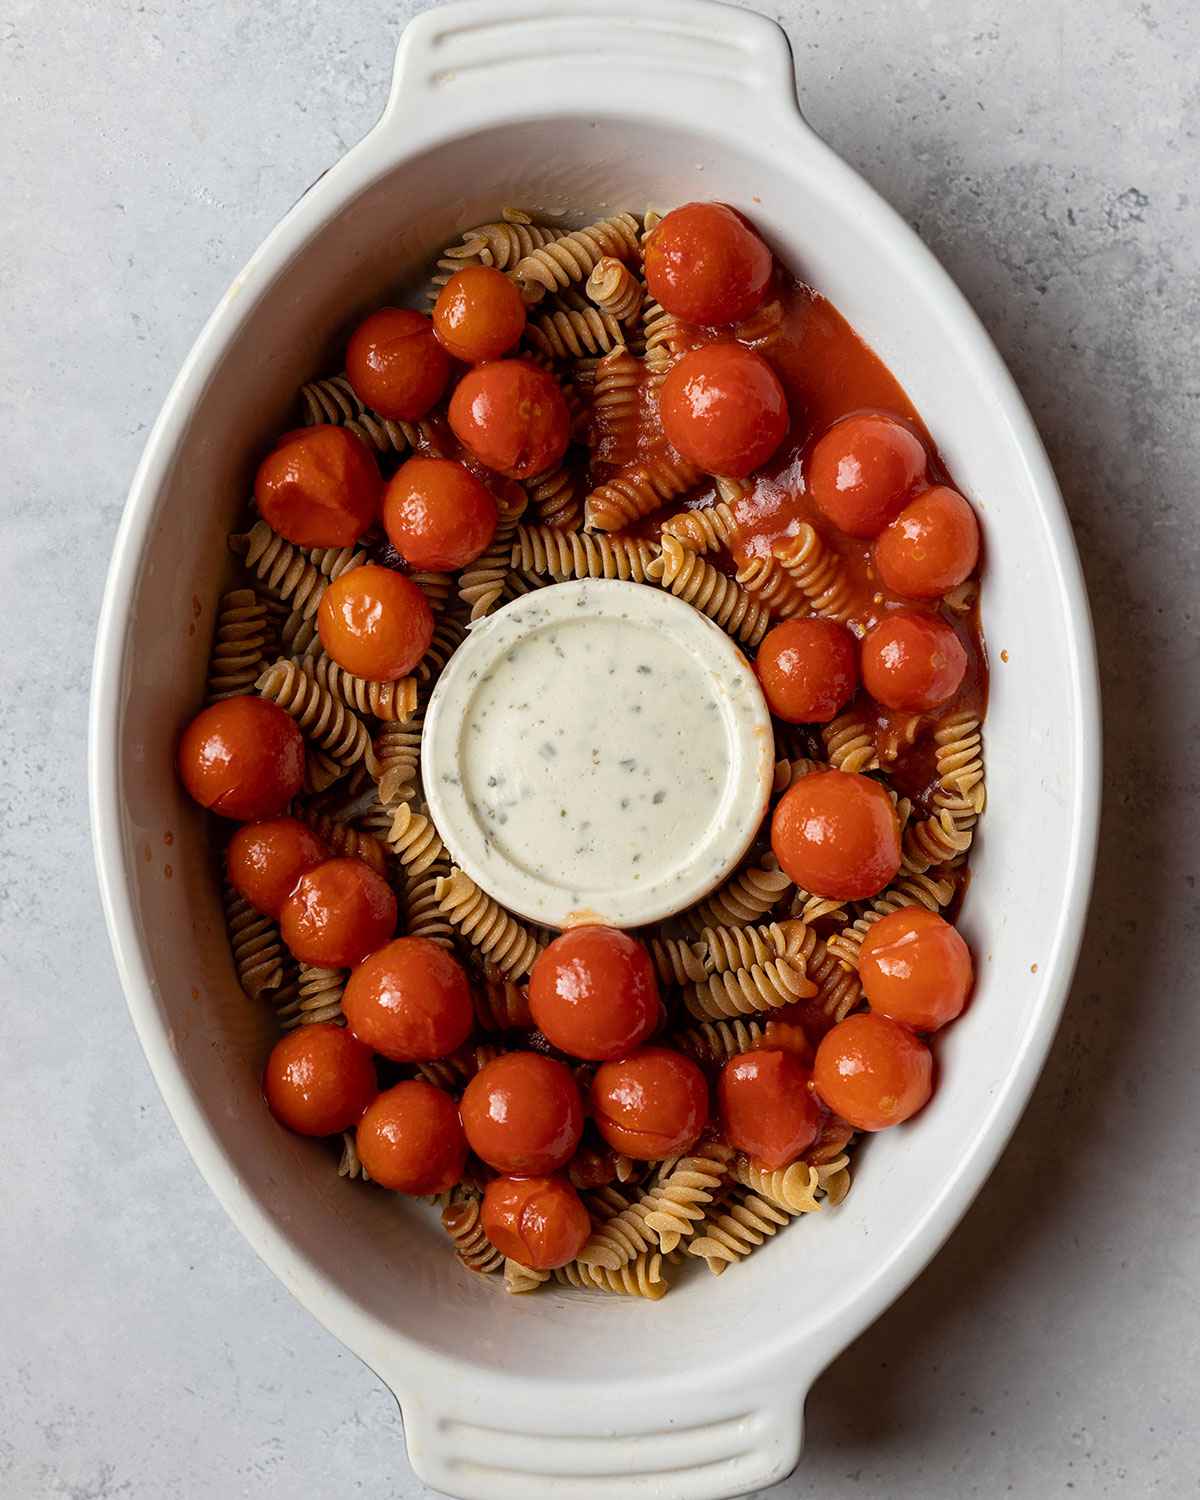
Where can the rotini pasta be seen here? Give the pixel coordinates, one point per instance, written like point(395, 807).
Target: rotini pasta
point(283, 569)
point(572, 258)
point(782, 596)
point(564, 334)
point(460, 1220)
point(448, 636)
point(850, 743)
point(239, 645)
point(678, 961)
point(505, 943)
point(689, 577)
point(345, 840)
point(255, 944)
point(318, 998)
point(706, 530)
point(743, 899)
point(423, 915)
point(481, 583)
point(334, 401)
point(397, 754)
point(713, 1043)
point(788, 772)
point(739, 947)
point(636, 491)
point(732, 1231)
point(742, 992)
point(324, 720)
point(395, 702)
point(615, 290)
point(908, 890)
point(502, 1005)
point(576, 554)
point(793, 1188)
point(519, 1279)
point(817, 573)
point(684, 1191)
point(616, 407)
point(414, 840)
point(554, 496)
point(640, 1277)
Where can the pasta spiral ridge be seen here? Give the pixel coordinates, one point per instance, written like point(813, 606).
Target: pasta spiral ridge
point(506, 241)
point(397, 760)
point(554, 496)
point(448, 636)
point(519, 1279)
point(578, 554)
point(636, 491)
point(323, 719)
point(817, 572)
point(345, 840)
point(414, 840)
point(678, 961)
point(437, 588)
point(849, 742)
point(743, 992)
point(732, 1232)
point(706, 530)
point(395, 702)
point(573, 257)
point(239, 645)
point(713, 1043)
point(255, 944)
point(793, 1188)
point(282, 568)
point(318, 998)
point(684, 1191)
point(932, 841)
point(568, 334)
point(333, 401)
point(350, 1164)
point(739, 947)
point(616, 408)
point(697, 582)
point(614, 289)
point(332, 562)
point(481, 583)
point(485, 924)
point(766, 580)
point(640, 1277)
point(501, 1005)
point(788, 772)
point(960, 761)
point(908, 890)
point(423, 915)
point(620, 1237)
point(460, 1220)
point(743, 899)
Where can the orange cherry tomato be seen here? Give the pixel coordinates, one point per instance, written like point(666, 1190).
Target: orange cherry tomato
point(808, 670)
point(512, 416)
point(437, 515)
point(651, 1104)
point(594, 993)
point(242, 758)
point(706, 265)
point(862, 471)
point(396, 365)
point(319, 487)
point(767, 1109)
point(266, 859)
point(836, 834)
point(410, 1140)
point(338, 913)
point(319, 1080)
point(523, 1114)
point(375, 622)
point(931, 546)
point(872, 1072)
point(722, 407)
point(916, 968)
point(479, 314)
point(539, 1222)
point(912, 661)
point(410, 1001)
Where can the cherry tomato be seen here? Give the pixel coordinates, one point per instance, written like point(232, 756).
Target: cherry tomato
point(767, 1109)
point(523, 1114)
point(594, 993)
point(722, 407)
point(706, 265)
point(872, 1072)
point(512, 416)
point(339, 912)
point(932, 545)
point(916, 968)
point(319, 1080)
point(265, 860)
point(396, 365)
point(437, 515)
point(375, 622)
point(912, 661)
point(651, 1104)
point(808, 670)
point(319, 487)
point(862, 471)
point(836, 834)
point(410, 1140)
point(410, 1001)
point(539, 1222)
point(479, 314)
point(242, 758)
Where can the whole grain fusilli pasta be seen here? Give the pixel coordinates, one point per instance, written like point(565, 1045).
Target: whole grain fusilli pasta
point(460, 1220)
point(738, 947)
point(849, 742)
point(501, 1005)
point(684, 1191)
point(255, 944)
point(636, 491)
point(744, 898)
point(616, 408)
point(736, 1228)
point(318, 997)
point(448, 636)
point(817, 572)
point(742, 992)
point(572, 258)
point(414, 840)
point(485, 924)
point(239, 645)
point(324, 720)
point(395, 702)
point(706, 530)
point(564, 334)
point(689, 577)
point(767, 581)
point(678, 961)
point(397, 758)
point(423, 915)
point(345, 840)
point(554, 496)
point(334, 401)
point(614, 289)
point(793, 1188)
point(481, 583)
point(908, 890)
point(713, 1043)
point(283, 569)
point(640, 1277)
point(577, 554)
point(519, 1279)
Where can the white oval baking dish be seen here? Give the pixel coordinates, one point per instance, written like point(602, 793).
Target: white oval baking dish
point(587, 109)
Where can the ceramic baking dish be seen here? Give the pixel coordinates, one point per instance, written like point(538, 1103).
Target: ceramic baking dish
point(583, 110)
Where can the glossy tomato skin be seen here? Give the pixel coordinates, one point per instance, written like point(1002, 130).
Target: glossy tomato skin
point(872, 1071)
point(931, 546)
point(523, 1114)
point(319, 1080)
point(411, 1141)
point(319, 487)
point(808, 670)
point(437, 515)
point(705, 264)
point(594, 993)
point(651, 1104)
point(375, 623)
point(767, 1108)
point(723, 407)
point(539, 1222)
point(912, 661)
point(836, 834)
point(862, 471)
point(916, 969)
point(409, 1001)
point(242, 758)
point(266, 859)
point(338, 913)
point(479, 314)
point(396, 365)
point(512, 416)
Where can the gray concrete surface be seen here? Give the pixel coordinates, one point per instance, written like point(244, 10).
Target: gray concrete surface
point(1047, 151)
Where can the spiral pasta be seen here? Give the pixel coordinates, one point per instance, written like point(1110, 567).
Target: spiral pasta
point(460, 1220)
point(713, 1043)
point(283, 569)
point(614, 289)
point(573, 257)
point(504, 242)
point(738, 947)
point(616, 407)
point(554, 496)
point(485, 924)
point(448, 636)
point(742, 992)
point(731, 1232)
point(570, 334)
point(320, 771)
point(318, 998)
point(395, 702)
point(677, 961)
point(766, 580)
point(481, 583)
point(423, 915)
point(684, 1191)
point(933, 841)
point(414, 840)
point(345, 840)
point(636, 491)
point(437, 588)
point(706, 530)
point(239, 646)
point(743, 899)
point(817, 572)
point(502, 1005)
point(793, 1188)
point(788, 772)
point(519, 1279)
point(620, 1237)
point(334, 401)
point(324, 720)
point(577, 554)
point(689, 577)
point(849, 742)
point(640, 1277)
point(397, 758)
point(960, 764)
point(908, 890)
point(350, 1164)
point(255, 944)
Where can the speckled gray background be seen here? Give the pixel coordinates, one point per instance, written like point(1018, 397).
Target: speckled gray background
point(1047, 150)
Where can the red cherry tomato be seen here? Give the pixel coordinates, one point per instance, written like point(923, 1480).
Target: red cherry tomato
point(523, 1114)
point(706, 265)
point(872, 1072)
point(916, 969)
point(266, 859)
point(437, 515)
point(651, 1104)
point(479, 314)
point(319, 487)
point(396, 365)
point(539, 1222)
point(931, 546)
point(808, 670)
point(594, 993)
point(410, 1001)
point(242, 758)
point(912, 662)
point(339, 912)
point(836, 834)
point(411, 1141)
point(375, 622)
point(766, 1107)
point(319, 1080)
point(862, 471)
point(512, 416)
point(722, 407)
